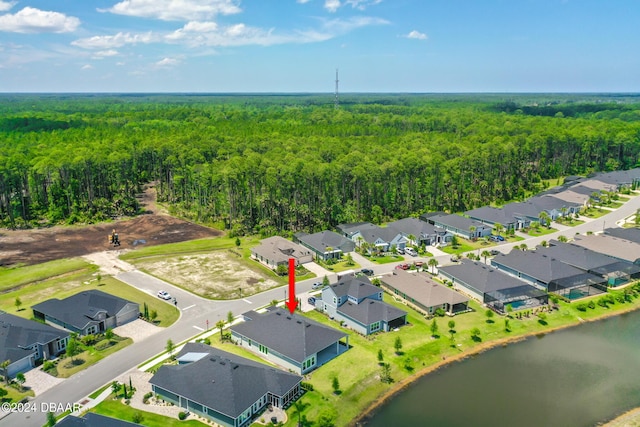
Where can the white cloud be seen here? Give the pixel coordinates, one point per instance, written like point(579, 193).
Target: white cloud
point(87, 67)
point(30, 20)
point(174, 10)
point(105, 53)
point(118, 40)
point(5, 5)
point(167, 62)
point(303, 1)
point(332, 5)
point(416, 35)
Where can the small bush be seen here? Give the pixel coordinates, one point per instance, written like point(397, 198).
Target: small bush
point(591, 304)
point(182, 416)
point(582, 307)
point(307, 386)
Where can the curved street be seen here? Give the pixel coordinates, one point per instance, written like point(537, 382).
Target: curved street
point(196, 311)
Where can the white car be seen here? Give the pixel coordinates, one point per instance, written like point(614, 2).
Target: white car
point(411, 251)
point(164, 295)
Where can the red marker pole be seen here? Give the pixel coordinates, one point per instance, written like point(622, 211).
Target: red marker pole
point(292, 303)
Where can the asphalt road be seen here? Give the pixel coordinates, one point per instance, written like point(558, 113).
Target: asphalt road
point(196, 311)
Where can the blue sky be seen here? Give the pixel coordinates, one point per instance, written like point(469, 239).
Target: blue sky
point(296, 45)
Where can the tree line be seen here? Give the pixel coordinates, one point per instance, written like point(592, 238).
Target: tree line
point(275, 164)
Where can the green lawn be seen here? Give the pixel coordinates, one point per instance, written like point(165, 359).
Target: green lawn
point(99, 391)
point(188, 247)
point(358, 369)
point(541, 231)
point(18, 276)
point(117, 409)
point(386, 259)
point(340, 266)
point(83, 280)
point(91, 356)
point(595, 212)
point(13, 394)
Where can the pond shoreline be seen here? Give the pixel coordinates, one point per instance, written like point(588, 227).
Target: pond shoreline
point(370, 411)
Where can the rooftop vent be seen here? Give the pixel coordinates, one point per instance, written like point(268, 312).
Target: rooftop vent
point(279, 314)
point(298, 322)
point(289, 317)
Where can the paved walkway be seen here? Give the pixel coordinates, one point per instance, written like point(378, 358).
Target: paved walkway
point(39, 381)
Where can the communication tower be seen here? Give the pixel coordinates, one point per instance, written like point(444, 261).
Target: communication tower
point(336, 101)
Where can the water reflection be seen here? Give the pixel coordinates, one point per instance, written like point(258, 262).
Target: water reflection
point(575, 377)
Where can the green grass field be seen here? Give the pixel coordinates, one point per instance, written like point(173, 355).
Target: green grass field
point(66, 367)
point(16, 277)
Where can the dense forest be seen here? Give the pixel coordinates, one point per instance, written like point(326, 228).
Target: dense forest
point(274, 163)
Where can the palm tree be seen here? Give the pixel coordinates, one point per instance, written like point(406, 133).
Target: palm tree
point(433, 263)
point(498, 228)
point(545, 219)
point(486, 254)
point(5, 369)
point(220, 325)
point(472, 232)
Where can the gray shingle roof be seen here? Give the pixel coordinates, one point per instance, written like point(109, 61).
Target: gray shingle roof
point(222, 381)
point(481, 277)
point(491, 215)
point(537, 265)
point(292, 335)
point(91, 419)
point(423, 289)
point(575, 255)
point(356, 287)
point(631, 234)
point(458, 221)
point(414, 226)
point(353, 227)
point(320, 241)
point(80, 309)
point(610, 245)
point(369, 311)
point(279, 249)
point(17, 333)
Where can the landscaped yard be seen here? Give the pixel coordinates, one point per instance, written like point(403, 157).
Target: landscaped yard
point(116, 409)
point(13, 394)
point(338, 267)
point(594, 212)
point(67, 366)
point(541, 231)
point(386, 259)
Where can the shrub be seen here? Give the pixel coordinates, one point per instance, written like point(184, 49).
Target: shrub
point(137, 417)
point(591, 304)
point(582, 307)
point(48, 365)
point(306, 386)
point(439, 312)
point(182, 416)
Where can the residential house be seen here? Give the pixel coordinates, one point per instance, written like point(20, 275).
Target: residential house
point(492, 216)
point(23, 342)
point(380, 239)
point(614, 246)
point(492, 287)
point(620, 179)
point(276, 250)
point(550, 274)
point(325, 244)
point(289, 340)
point(87, 312)
point(358, 304)
point(461, 226)
point(348, 230)
point(614, 270)
point(419, 232)
point(225, 388)
point(424, 294)
point(631, 234)
point(91, 419)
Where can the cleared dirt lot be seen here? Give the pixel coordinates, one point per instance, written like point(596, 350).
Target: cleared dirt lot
point(36, 246)
point(218, 275)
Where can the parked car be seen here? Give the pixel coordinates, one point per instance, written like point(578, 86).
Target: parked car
point(411, 251)
point(400, 251)
point(164, 295)
point(402, 266)
point(367, 271)
point(311, 301)
point(316, 285)
point(494, 252)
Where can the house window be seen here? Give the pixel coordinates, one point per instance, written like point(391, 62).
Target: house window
point(375, 326)
point(335, 301)
point(264, 349)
